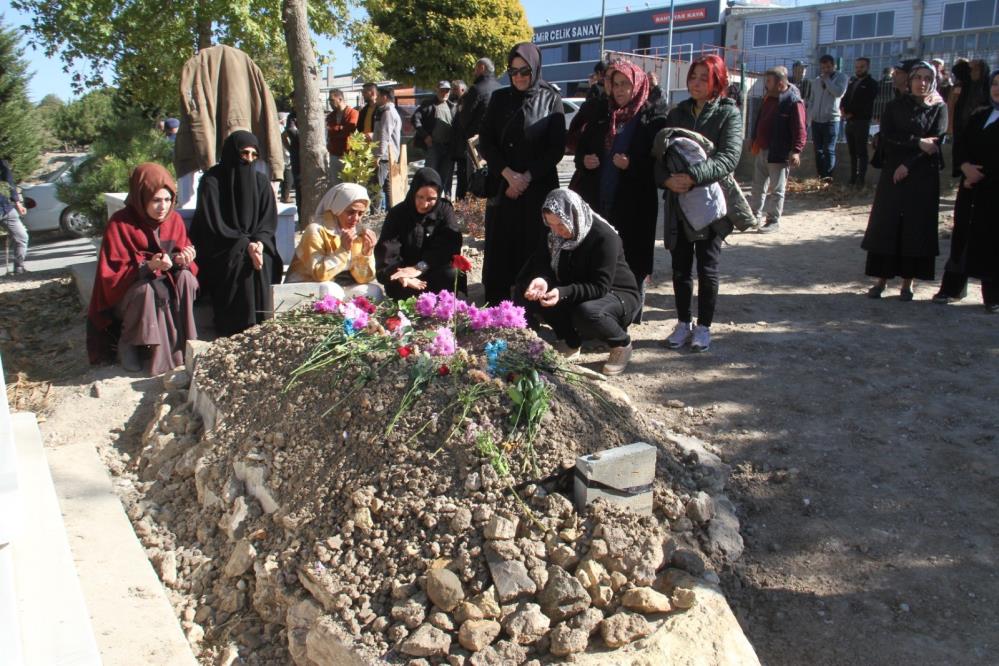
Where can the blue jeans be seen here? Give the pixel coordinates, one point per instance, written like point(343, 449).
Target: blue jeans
point(824, 138)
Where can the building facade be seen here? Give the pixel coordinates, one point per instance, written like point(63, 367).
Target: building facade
point(570, 50)
point(884, 31)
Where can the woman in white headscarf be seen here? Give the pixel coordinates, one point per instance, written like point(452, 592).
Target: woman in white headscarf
point(338, 249)
point(578, 280)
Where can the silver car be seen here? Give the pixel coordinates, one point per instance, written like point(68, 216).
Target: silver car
point(47, 213)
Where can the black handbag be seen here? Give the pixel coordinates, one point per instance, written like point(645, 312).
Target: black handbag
point(478, 182)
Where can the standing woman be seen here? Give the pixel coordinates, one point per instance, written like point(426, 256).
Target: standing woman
point(522, 139)
point(144, 289)
point(710, 113)
point(418, 241)
point(233, 229)
point(901, 237)
point(614, 173)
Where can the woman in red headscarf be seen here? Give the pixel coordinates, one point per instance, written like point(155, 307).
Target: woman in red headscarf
point(614, 173)
point(143, 298)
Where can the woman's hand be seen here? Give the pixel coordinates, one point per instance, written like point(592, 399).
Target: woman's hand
point(536, 290)
point(368, 241)
point(679, 183)
point(185, 256)
point(160, 262)
point(972, 174)
point(900, 173)
point(406, 273)
point(550, 299)
point(929, 146)
point(591, 162)
point(621, 161)
point(518, 182)
point(413, 283)
point(256, 252)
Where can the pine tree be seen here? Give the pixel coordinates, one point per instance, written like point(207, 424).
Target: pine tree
point(20, 138)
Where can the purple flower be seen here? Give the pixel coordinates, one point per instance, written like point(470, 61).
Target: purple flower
point(536, 349)
point(508, 315)
point(444, 343)
point(425, 304)
point(446, 306)
point(461, 307)
point(479, 319)
point(328, 304)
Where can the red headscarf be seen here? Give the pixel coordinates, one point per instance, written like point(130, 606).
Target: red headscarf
point(640, 93)
point(130, 239)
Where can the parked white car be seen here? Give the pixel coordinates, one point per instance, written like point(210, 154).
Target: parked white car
point(47, 213)
point(570, 107)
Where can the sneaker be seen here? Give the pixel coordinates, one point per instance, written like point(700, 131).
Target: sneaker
point(617, 360)
point(770, 226)
point(680, 336)
point(992, 308)
point(567, 351)
point(20, 270)
point(702, 339)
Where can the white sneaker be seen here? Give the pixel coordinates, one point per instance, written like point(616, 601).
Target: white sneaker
point(567, 352)
point(702, 339)
point(617, 360)
point(680, 335)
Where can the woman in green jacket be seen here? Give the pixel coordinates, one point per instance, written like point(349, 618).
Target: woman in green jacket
point(710, 113)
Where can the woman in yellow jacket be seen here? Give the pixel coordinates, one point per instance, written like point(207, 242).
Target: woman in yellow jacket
point(338, 250)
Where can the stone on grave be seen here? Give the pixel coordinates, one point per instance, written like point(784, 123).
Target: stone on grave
point(622, 476)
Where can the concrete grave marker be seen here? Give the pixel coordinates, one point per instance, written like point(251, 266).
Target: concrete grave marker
point(622, 476)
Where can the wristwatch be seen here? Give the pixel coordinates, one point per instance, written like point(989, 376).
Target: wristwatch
point(422, 266)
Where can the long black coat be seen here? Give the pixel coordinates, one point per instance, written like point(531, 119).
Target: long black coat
point(905, 215)
point(635, 206)
point(982, 148)
point(525, 135)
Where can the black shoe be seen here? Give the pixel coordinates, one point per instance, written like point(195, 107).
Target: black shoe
point(905, 295)
point(769, 226)
point(992, 308)
point(876, 291)
point(944, 299)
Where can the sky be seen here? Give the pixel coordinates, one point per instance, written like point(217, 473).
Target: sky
point(50, 78)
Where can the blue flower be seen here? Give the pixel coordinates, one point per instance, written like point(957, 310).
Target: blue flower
point(493, 351)
point(348, 327)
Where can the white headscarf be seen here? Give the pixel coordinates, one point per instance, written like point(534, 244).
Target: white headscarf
point(339, 198)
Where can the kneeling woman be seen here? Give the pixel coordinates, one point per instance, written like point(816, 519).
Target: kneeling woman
point(338, 249)
point(420, 236)
point(579, 283)
point(145, 286)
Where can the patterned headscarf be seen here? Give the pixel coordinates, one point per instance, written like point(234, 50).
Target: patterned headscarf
point(575, 214)
point(932, 97)
point(640, 93)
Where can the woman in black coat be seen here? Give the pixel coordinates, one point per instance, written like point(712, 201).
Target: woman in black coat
point(418, 240)
point(522, 139)
point(578, 281)
point(901, 237)
point(233, 230)
point(614, 162)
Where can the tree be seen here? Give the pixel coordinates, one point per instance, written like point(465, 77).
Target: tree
point(144, 44)
point(83, 121)
point(20, 139)
point(433, 40)
point(47, 113)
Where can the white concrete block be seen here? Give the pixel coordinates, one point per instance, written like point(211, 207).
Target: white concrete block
point(292, 294)
point(623, 476)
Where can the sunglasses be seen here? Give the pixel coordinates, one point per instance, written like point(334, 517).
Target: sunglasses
point(522, 71)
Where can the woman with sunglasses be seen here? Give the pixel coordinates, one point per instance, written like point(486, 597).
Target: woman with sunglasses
point(901, 238)
point(522, 140)
point(233, 229)
point(614, 165)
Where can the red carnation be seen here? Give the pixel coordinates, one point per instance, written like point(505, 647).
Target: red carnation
point(404, 351)
point(392, 324)
point(364, 304)
point(461, 263)
point(444, 371)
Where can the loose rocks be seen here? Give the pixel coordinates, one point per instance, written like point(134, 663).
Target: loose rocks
point(624, 628)
point(477, 634)
point(444, 589)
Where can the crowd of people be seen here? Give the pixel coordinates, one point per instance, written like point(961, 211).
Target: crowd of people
point(577, 258)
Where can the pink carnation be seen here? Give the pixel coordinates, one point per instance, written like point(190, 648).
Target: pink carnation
point(328, 304)
point(444, 343)
point(446, 306)
point(425, 304)
point(508, 315)
point(479, 319)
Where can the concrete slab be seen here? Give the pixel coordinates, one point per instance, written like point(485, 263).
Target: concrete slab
point(84, 275)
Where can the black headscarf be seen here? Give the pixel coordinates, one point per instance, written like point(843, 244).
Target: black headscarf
point(422, 178)
point(238, 181)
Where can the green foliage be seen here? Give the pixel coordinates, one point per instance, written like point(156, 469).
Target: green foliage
point(126, 144)
point(20, 139)
point(439, 39)
point(370, 46)
point(47, 112)
point(143, 44)
point(83, 121)
point(360, 164)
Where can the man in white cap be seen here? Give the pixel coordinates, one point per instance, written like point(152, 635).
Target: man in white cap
point(432, 122)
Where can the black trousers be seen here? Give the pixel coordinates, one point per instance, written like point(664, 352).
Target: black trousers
point(461, 175)
point(955, 280)
point(707, 252)
point(857, 138)
point(605, 319)
point(437, 279)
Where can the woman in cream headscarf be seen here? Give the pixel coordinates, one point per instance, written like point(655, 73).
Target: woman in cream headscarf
point(338, 249)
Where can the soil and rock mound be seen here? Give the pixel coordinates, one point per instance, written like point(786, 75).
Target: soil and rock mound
point(319, 522)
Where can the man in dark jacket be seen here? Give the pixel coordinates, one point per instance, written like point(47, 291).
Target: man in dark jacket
point(433, 124)
point(858, 107)
point(778, 138)
point(458, 148)
point(473, 108)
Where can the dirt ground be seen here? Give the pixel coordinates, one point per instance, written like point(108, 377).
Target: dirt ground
point(863, 435)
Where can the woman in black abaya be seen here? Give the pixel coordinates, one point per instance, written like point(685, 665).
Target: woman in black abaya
point(233, 230)
point(522, 140)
